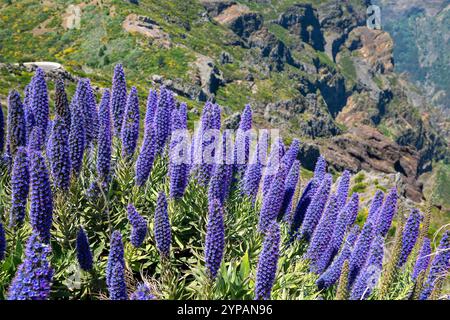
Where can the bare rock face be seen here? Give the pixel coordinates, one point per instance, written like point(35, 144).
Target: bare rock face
point(148, 28)
point(240, 20)
point(215, 7)
point(308, 114)
point(301, 20)
point(365, 148)
point(374, 46)
point(337, 19)
point(210, 76)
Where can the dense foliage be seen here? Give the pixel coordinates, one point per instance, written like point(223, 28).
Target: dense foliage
point(180, 231)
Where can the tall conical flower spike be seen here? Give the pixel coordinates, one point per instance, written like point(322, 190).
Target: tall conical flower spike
point(332, 274)
point(163, 119)
point(41, 207)
point(152, 105)
point(315, 210)
point(410, 234)
point(302, 206)
point(104, 150)
point(290, 185)
point(16, 131)
point(423, 259)
point(118, 98)
point(273, 201)
point(179, 154)
point(375, 206)
point(29, 116)
point(60, 154)
point(360, 253)
point(163, 233)
point(34, 276)
point(273, 164)
point(244, 125)
point(342, 189)
point(130, 128)
point(291, 154)
point(322, 236)
point(39, 100)
point(61, 102)
point(84, 254)
point(215, 238)
point(267, 263)
point(387, 212)
point(369, 276)
point(139, 226)
point(345, 219)
point(20, 185)
point(320, 169)
point(77, 138)
point(439, 266)
point(115, 269)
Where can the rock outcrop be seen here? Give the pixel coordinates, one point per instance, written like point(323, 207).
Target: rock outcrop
point(148, 28)
point(365, 148)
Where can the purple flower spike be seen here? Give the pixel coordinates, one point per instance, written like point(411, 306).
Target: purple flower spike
point(163, 233)
point(219, 186)
point(84, 254)
point(252, 177)
point(39, 100)
point(115, 269)
point(163, 118)
point(179, 154)
point(36, 140)
point(345, 220)
point(322, 236)
point(104, 139)
point(60, 154)
point(61, 102)
point(375, 206)
point(152, 105)
point(315, 210)
point(142, 292)
point(369, 276)
point(139, 226)
point(273, 201)
point(360, 253)
point(342, 189)
point(16, 131)
point(118, 98)
point(130, 128)
point(291, 154)
point(77, 138)
point(302, 206)
point(423, 259)
point(146, 157)
point(410, 234)
point(320, 169)
point(273, 164)
point(41, 208)
point(439, 266)
point(332, 274)
point(387, 212)
point(215, 238)
point(34, 276)
point(20, 185)
point(290, 185)
point(244, 126)
point(267, 263)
